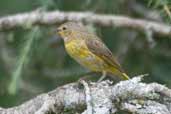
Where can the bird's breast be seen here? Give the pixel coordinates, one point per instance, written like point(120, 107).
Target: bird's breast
point(78, 50)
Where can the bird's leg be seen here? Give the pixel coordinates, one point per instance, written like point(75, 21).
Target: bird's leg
point(103, 76)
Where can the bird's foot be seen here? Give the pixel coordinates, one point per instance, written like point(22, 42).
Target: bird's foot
point(102, 77)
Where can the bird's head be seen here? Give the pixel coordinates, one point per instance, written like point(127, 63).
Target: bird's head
point(70, 29)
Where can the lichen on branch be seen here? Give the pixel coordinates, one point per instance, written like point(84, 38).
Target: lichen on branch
point(102, 98)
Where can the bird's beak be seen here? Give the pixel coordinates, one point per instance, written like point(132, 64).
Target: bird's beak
point(58, 30)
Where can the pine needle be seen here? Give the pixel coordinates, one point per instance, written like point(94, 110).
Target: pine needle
point(23, 58)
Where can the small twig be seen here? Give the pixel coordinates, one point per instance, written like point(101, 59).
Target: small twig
point(88, 98)
point(167, 10)
point(149, 36)
point(141, 76)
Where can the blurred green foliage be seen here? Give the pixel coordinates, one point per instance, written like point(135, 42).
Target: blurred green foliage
point(32, 62)
point(164, 6)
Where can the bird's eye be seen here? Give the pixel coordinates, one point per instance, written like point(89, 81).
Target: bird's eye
point(64, 28)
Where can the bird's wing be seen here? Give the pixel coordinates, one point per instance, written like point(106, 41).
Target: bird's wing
point(97, 47)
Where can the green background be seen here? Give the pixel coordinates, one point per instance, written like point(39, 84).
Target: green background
point(46, 64)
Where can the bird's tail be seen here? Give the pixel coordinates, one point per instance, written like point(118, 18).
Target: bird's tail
point(122, 75)
point(125, 76)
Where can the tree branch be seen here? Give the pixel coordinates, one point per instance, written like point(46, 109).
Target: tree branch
point(51, 18)
point(106, 98)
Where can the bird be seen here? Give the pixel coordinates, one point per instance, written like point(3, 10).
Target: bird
point(89, 50)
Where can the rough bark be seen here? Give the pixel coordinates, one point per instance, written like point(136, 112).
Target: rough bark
point(100, 98)
point(51, 18)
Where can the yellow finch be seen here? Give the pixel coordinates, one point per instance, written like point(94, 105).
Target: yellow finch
point(88, 50)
